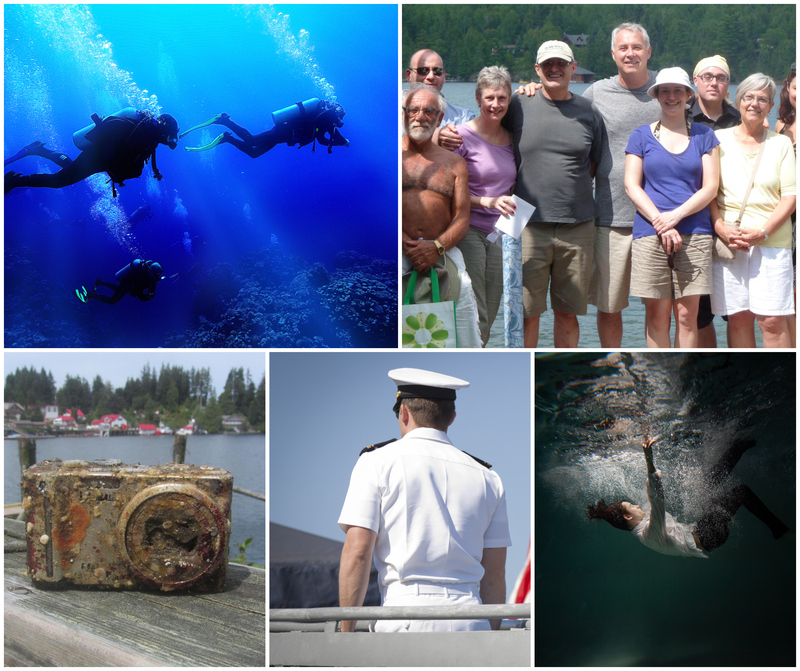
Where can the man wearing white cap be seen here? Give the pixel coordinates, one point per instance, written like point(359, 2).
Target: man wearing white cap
point(557, 140)
point(712, 76)
point(434, 516)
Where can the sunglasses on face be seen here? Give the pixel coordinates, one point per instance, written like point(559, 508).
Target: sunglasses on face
point(423, 72)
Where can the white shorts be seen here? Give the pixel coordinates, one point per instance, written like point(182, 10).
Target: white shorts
point(759, 280)
point(421, 594)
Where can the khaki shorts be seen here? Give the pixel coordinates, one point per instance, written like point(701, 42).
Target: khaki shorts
point(559, 255)
point(611, 277)
point(651, 276)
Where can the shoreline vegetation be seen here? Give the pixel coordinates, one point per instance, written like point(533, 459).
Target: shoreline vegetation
point(753, 38)
point(171, 401)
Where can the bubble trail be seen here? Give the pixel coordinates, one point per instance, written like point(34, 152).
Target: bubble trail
point(297, 49)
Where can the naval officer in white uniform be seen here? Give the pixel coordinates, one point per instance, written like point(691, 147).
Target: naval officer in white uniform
point(434, 516)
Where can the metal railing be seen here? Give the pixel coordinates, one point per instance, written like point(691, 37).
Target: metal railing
point(308, 637)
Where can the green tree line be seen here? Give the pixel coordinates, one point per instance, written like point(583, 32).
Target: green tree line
point(753, 38)
point(174, 395)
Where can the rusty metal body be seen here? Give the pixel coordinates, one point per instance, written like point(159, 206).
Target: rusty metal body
point(113, 525)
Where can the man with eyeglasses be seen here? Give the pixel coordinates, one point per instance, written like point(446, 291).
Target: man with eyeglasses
point(712, 76)
point(426, 67)
point(436, 205)
point(557, 139)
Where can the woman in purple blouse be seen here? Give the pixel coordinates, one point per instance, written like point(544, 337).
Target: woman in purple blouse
point(486, 148)
point(671, 175)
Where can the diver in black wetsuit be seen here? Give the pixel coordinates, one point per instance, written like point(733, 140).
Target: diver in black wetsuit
point(299, 124)
point(139, 279)
point(119, 144)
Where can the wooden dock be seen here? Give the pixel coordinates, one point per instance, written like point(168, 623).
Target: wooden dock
point(86, 627)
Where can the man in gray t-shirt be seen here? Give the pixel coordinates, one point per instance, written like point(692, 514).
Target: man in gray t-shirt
point(625, 105)
point(557, 140)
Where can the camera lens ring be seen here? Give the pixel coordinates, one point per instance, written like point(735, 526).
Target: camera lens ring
point(171, 535)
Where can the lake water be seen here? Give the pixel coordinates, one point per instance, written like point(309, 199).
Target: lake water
point(463, 95)
point(244, 456)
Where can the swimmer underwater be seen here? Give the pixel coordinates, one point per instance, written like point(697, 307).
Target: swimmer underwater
point(659, 531)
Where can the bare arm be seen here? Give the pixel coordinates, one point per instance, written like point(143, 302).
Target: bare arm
point(354, 570)
point(634, 171)
point(493, 583)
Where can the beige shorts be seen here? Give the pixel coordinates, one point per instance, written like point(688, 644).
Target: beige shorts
point(558, 255)
point(651, 276)
point(611, 277)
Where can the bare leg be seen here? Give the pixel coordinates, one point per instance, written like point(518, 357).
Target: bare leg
point(740, 329)
point(566, 331)
point(609, 329)
point(531, 331)
point(658, 313)
point(775, 331)
point(686, 320)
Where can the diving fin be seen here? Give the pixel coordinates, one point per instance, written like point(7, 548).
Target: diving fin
point(210, 145)
point(214, 119)
point(80, 296)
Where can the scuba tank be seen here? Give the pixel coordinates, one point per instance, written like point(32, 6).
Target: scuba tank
point(84, 137)
point(125, 272)
point(308, 109)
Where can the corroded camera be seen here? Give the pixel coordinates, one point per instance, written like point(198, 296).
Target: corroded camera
point(114, 525)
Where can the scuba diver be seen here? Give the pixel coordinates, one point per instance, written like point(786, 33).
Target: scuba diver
point(119, 144)
point(312, 120)
point(139, 279)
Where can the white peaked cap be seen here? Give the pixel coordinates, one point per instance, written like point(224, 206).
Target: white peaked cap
point(416, 377)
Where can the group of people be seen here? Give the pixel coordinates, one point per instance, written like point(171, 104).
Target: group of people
point(120, 145)
point(643, 186)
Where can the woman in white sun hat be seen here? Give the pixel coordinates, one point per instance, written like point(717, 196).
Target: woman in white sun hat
point(671, 175)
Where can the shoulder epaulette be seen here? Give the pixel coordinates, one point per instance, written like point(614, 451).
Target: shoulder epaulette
point(376, 446)
point(480, 461)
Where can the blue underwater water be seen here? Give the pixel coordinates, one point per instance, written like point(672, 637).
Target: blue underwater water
point(292, 249)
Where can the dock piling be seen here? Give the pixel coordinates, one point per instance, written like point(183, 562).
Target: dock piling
point(179, 449)
point(27, 458)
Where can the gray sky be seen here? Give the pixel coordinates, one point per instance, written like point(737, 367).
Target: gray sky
point(116, 367)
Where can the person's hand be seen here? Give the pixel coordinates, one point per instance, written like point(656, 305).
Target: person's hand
point(449, 137)
point(746, 238)
point(672, 241)
point(666, 221)
point(528, 90)
point(157, 175)
point(421, 253)
point(503, 204)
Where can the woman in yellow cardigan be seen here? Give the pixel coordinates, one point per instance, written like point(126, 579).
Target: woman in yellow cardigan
point(756, 285)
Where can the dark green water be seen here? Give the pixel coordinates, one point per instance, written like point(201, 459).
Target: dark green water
point(604, 599)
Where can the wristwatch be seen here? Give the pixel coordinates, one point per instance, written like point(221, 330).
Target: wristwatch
point(439, 247)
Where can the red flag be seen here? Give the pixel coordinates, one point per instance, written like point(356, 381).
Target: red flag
point(522, 588)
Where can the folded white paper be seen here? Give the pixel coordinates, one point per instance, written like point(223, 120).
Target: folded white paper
point(512, 224)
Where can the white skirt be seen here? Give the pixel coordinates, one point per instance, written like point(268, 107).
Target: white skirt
point(759, 280)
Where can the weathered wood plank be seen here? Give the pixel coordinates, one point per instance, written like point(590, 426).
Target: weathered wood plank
point(84, 627)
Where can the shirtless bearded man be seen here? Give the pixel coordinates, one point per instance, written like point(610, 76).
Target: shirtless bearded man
point(435, 202)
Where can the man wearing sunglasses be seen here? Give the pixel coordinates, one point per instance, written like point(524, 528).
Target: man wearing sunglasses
point(426, 67)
